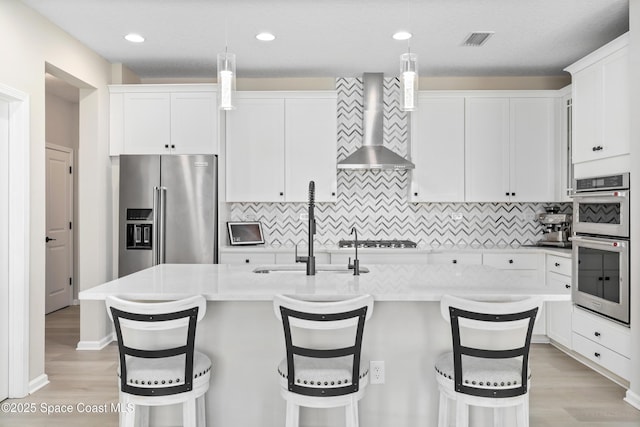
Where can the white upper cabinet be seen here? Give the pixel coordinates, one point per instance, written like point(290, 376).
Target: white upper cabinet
point(147, 123)
point(601, 103)
point(163, 119)
point(310, 148)
point(437, 149)
point(532, 161)
point(279, 141)
point(194, 123)
point(487, 150)
point(509, 147)
point(255, 151)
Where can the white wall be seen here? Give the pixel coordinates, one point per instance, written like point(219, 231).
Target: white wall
point(31, 44)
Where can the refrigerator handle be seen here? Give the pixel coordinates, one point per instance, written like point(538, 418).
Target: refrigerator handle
point(161, 226)
point(156, 220)
point(159, 212)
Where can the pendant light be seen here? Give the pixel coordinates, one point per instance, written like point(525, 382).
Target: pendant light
point(226, 80)
point(226, 71)
point(408, 81)
point(408, 69)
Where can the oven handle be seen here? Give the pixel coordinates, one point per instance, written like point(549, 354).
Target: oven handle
point(608, 242)
point(601, 194)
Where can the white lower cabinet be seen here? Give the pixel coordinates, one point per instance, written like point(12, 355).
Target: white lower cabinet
point(247, 258)
point(603, 342)
point(290, 257)
point(456, 258)
point(379, 258)
point(559, 313)
point(526, 270)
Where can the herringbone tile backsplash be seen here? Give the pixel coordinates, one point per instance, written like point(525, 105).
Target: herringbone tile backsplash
point(376, 201)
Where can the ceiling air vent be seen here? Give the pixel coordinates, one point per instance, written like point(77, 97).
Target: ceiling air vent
point(477, 38)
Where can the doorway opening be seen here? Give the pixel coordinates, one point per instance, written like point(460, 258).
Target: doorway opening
point(62, 133)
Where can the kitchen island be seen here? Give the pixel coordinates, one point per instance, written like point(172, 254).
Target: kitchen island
point(242, 336)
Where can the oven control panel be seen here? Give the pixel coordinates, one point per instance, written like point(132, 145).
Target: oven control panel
point(612, 182)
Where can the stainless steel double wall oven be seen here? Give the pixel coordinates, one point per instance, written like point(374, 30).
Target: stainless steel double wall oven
point(601, 246)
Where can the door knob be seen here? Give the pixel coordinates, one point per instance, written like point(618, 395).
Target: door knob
point(48, 239)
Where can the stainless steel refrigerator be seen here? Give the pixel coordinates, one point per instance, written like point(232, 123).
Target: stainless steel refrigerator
point(168, 211)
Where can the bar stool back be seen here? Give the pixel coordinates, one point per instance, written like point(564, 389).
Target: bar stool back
point(325, 370)
point(158, 362)
point(489, 365)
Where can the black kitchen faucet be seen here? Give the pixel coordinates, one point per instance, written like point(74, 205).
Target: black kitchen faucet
point(310, 259)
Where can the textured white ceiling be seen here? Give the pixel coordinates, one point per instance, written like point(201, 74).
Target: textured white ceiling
point(330, 38)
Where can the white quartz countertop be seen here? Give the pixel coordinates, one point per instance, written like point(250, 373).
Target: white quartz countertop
point(388, 282)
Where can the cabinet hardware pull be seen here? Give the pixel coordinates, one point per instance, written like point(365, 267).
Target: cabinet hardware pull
point(415, 194)
point(510, 261)
point(333, 193)
point(173, 146)
point(597, 334)
point(455, 261)
point(513, 194)
point(567, 286)
point(281, 193)
point(597, 148)
point(166, 145)
point(506, 194)
point(247, 260)
point(596, 354)
point(557, 264)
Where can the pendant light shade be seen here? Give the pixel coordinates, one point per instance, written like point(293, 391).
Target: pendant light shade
point(408, 81)
point(226, 80)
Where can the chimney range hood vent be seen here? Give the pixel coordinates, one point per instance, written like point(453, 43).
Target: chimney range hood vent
point(372, 154)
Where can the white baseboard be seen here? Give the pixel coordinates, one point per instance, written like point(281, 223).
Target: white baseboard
point(540, 339)
point(37, 383)
point(95, 345)
point(632, 399)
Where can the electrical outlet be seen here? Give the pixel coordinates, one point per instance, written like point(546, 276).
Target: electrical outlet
point(456, 216)
point(376, 372)
point(304, 216)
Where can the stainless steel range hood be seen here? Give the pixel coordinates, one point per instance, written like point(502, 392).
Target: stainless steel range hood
point(372, 154)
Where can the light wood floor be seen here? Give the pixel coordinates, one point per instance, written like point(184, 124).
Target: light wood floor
point(564, 393)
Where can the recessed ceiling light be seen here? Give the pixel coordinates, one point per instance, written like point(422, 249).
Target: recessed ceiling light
point(134, 38)
point(265, 37)
point(402, 35)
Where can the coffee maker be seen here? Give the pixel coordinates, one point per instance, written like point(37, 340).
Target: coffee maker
point(557, 228)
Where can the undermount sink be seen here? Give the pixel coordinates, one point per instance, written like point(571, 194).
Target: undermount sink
point(302, 268)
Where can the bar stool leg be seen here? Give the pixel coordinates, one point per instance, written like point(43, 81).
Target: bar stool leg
point(143, 416)
point(498, 417)
point(443, 411)
point(522, 413)
point(462, 414)
point(189, 413)
point(127, 412)
point(200, 412)
point(351, 413)
point(293, 415)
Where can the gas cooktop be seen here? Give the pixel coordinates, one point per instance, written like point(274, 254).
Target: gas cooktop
point(386, 244)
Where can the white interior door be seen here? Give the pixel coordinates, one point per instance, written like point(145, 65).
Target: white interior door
point(59, 253)
point(4, 250)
